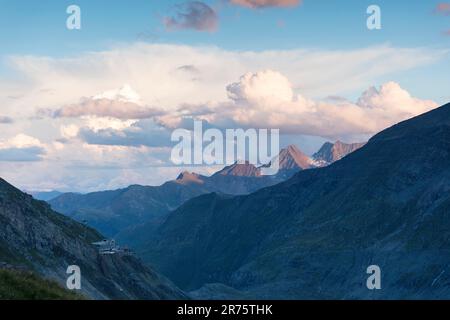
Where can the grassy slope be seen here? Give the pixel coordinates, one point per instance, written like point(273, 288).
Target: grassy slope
point(17, 285)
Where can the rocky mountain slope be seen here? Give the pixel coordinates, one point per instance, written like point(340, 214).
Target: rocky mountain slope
point(314, 236)
point(332, 152)
point(35, 238)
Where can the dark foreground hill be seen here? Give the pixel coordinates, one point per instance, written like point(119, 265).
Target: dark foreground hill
point(387, 204)
point(35, 238)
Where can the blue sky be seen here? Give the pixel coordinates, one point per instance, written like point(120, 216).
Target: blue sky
point(313, 70)
point(38, 28)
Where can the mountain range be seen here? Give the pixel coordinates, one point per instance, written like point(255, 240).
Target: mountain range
point(314, 235)
point(117, 213)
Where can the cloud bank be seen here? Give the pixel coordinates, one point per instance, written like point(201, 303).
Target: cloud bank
point(266, 99)
point(119, 134)
point(158, 73)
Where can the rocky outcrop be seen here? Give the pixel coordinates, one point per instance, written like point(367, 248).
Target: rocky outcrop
point(332, 152)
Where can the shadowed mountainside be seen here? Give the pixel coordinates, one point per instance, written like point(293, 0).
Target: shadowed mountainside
point(314, 235)
point(35, 238)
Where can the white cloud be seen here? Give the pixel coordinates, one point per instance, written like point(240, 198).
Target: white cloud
point(392, 99)
point(123, 94)
point(102, 123)
point(20, 141)
point(265, 100)
point(141, 133)
point(70, 131)
point(153, 70)
point(22, 148)
point(84, 168)
point(262, 87)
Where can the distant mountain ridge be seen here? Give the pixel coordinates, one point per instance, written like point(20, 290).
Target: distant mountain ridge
point(112, 211)
point(44, 195)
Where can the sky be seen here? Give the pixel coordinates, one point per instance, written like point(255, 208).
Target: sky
point(93, 108)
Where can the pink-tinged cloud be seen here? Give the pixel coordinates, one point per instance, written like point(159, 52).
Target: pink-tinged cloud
point(104, 108)
point(194, 15)
point(443, 8)
point(123, 104)
point(266, 99)
point(255, 4)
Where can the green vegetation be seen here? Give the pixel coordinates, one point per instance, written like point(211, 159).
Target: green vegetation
point(18, 285)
